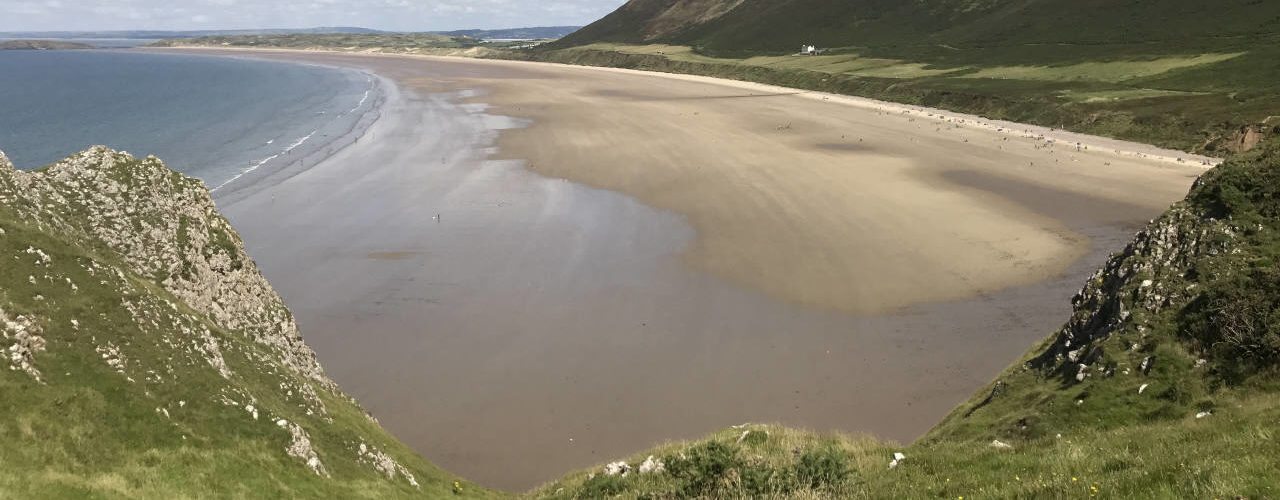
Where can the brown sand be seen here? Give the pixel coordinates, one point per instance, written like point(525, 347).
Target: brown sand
point(824, 204)
point(866, 268)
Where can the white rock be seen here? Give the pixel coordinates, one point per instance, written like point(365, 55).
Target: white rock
point(1001, 445)
point(652, 465)
point(1204, 414)
point(617, 469)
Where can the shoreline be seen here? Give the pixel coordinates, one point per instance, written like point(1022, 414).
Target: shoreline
point(255, 178)
point(1118, 147)
point(510, 324)
point(266, 172)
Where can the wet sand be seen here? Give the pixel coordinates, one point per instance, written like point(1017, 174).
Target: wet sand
point(658, 257)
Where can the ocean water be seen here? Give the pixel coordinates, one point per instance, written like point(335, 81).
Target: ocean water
point(224, 120)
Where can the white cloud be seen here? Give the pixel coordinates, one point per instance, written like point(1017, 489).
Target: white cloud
point(402, 15)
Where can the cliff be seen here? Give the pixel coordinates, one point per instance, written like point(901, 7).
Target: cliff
point(149, 357)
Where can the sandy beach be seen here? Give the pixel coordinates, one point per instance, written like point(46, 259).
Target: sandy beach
point(523, 269)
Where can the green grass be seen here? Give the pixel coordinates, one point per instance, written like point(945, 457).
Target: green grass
point(1227, 455)
point(1101, 71)
point(1122, 95)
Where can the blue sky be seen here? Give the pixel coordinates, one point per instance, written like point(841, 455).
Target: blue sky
point(399, 15)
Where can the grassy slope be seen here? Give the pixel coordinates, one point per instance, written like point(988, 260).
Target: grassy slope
point(83, 428)
point(1150, 71)
point(1201, 283)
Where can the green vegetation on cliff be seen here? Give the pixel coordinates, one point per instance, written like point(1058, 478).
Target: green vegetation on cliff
point(1185, 74)
point(1164, 383)
point(146, 357)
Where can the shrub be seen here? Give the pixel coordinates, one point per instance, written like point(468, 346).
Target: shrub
point(1238, 326)
point(602, 486)
point(823, 467)
point(705, 469)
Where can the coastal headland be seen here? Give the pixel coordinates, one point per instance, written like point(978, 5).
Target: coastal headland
point(526, 268)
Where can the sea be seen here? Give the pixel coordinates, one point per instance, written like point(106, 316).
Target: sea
point(225, 120)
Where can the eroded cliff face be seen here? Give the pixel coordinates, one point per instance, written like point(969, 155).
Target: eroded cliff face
point(130, 311)
point(1153, 274)
point(165, 226)
point(1186, 316)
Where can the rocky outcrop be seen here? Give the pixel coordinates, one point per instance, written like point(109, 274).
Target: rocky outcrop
point(1200, 274)
point(22, 336)
point(1243, 139)
point(1147, 277)
point(163, 225)
point(130, 312)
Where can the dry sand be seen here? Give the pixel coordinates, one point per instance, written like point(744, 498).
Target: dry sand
point(750, 253)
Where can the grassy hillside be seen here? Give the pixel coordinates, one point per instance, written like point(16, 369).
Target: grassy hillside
point(1147, 71)
point(147, 358)
point(778, 26)
point(1165, 383)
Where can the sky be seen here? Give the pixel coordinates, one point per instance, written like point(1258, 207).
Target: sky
point(392, 15)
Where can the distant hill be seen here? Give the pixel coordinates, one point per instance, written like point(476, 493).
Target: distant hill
point(538, 33)
point(157, 34)
point(778, 26)
point(531, 33)
point(42, 45)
